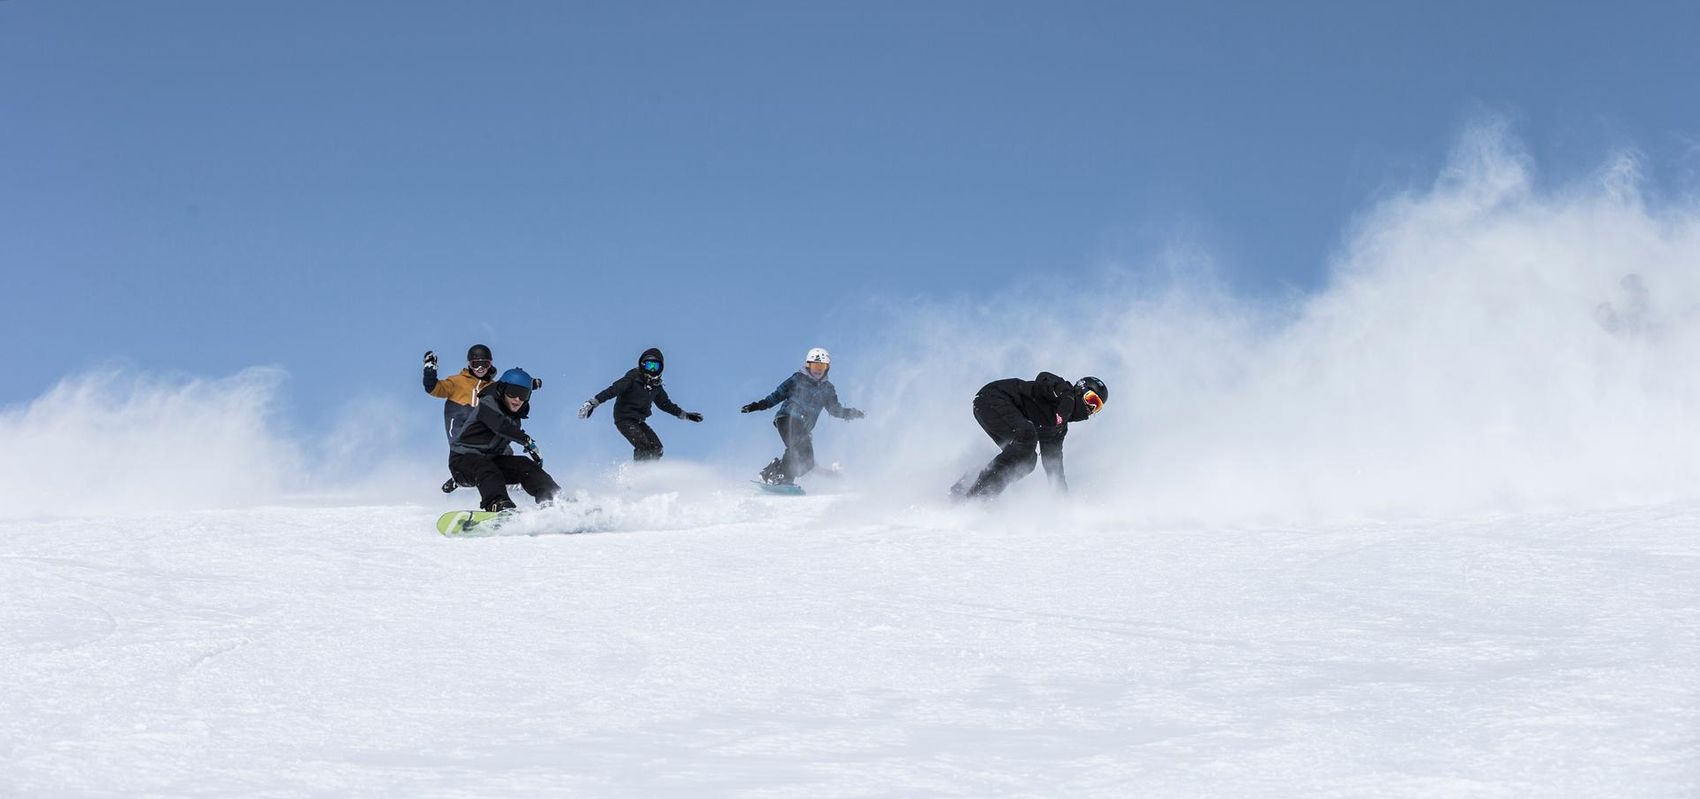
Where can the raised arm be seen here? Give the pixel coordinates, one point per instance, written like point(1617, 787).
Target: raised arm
point(431, 380)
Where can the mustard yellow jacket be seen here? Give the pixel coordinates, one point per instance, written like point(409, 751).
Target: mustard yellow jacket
point(460, 389)
point(460, 393)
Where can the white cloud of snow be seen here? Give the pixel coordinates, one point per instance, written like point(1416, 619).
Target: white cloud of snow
point(1485, 343)
point(114, 441)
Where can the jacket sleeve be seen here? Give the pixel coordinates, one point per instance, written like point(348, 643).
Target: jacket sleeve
point(616, 389)
point(779, 394)
point(666, 404)
point(833, 406)
point(501, 425)
point(442, 389)
point(1051, 454)
point(1062, 390)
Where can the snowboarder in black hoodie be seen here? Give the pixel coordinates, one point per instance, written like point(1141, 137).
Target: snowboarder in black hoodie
point(481, 456)
point(800, 398)
point(633, 395)
point(1024, 415)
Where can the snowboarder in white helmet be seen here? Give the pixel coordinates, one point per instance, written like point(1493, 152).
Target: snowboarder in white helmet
point(800, 398)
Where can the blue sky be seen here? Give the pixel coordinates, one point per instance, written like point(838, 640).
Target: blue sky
point(332, 187)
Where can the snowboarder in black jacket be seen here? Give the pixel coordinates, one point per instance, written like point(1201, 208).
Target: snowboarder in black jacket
point(481, 456)
point(1024, 415)
point(800, 398)
point(633, 395)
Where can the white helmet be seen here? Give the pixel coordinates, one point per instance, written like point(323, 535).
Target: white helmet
point(818, 355)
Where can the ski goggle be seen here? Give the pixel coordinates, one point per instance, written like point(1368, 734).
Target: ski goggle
point(478, 363)
point(1094, 403)
point(652, 367)
point(520, 392)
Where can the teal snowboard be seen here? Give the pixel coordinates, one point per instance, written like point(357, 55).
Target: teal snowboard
point(786, 489)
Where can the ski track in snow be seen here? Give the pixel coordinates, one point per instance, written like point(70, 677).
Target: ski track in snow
point(786, 647)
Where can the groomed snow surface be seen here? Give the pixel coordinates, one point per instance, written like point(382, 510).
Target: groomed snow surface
point(1304, 554)
point(730, 643)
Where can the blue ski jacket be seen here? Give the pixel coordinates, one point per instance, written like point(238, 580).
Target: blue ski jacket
point(803, 398)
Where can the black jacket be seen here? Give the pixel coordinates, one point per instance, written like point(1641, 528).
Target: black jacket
point(1050, 403)
point(492, 428)
point(1043, 400)
point(634, 393)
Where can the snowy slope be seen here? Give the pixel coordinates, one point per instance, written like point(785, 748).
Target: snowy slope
point(1347, 545)
point(724, 643)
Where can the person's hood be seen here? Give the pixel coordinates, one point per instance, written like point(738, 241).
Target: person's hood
point(649, 354)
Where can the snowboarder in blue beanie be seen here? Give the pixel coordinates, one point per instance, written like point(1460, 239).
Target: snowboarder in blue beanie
point(481, 453)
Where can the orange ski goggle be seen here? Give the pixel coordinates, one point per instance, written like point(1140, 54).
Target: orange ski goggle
point(1093, 402)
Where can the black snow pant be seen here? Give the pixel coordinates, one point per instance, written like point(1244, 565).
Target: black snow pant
point(646, 445)
point(1014, 434)
point(493, 474)
point(799, 457)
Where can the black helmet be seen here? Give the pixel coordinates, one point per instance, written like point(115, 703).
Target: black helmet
point(1095, 387)
point(479, 352)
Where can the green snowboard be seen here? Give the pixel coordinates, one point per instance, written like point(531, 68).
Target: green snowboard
point(461, 523)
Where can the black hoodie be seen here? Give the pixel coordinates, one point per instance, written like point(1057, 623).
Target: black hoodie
point(492, 427)
point(637, 391)
point(1048, 401)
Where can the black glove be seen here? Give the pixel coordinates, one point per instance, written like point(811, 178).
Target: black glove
point(750, 408)
point(585, 409)
point(536, 383)
point(430, 360)
point(691, 416)
point(852, 413)
point(532, 450)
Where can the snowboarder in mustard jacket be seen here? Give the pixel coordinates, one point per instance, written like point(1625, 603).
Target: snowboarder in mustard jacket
point(459, 392)
point(633, 395)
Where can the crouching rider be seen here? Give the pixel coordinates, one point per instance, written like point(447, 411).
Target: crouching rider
point(481, 453)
